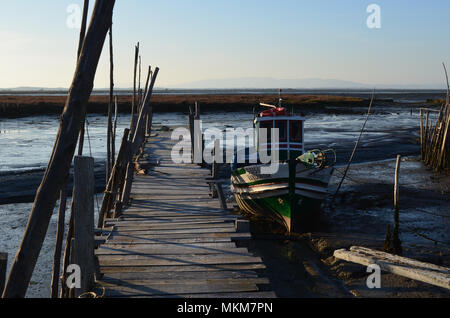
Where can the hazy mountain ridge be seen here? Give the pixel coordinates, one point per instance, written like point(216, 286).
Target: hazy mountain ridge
point(306, 83)
point(255, 83)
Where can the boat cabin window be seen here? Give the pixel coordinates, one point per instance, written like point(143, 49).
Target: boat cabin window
point(281, 125)
point(295, 131)
point(268, 125)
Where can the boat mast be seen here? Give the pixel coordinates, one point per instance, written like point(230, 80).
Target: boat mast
point(279, 97)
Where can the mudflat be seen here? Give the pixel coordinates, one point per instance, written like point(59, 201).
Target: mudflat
point(25, 105)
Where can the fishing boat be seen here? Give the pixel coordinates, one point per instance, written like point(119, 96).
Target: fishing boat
point(301, 176)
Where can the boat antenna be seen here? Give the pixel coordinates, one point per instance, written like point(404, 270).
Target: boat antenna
point(279, 97)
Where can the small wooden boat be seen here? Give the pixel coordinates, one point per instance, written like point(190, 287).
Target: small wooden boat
point(301, 176)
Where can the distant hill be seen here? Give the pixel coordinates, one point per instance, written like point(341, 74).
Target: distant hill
point(253, 83)
point(306, 83)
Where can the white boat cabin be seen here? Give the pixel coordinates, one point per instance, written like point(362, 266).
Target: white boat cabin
point(290, 129)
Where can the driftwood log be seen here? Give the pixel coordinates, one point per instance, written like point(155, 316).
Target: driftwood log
point(398, 265)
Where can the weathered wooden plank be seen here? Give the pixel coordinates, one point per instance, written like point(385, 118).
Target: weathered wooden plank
point(425, 272)
point(250, 295)
point(180, 289)
point(164, 215)
point(169, 236)
point(182, 268)
point(171, 220)
point(185, 275)
point(162, 240)
point(162, 283)
point(163, 245)
point(187, 230)
point(168, 250)
point(168, 260)
point(172, 225)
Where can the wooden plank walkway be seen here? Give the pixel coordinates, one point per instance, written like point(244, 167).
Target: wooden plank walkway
point(174, 240)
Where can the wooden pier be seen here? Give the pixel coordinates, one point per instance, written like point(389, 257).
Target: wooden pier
point(174, 240)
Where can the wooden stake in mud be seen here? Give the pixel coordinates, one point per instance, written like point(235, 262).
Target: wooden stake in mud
point(396, 243)
point(57, 171)
point(422, 143)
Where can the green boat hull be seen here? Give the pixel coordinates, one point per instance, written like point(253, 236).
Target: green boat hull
point(278, 209)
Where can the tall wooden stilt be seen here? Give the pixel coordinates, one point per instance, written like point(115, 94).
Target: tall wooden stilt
point(58, 168)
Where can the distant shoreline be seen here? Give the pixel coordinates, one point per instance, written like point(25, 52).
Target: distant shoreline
point(333, 101)
point(27, 105)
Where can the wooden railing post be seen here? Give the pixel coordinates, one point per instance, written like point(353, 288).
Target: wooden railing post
point(191, 130)
point(83, 247)
point(138, 137)
point(109, 195)
point(125, 197)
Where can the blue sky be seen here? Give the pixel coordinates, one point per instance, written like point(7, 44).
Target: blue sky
point(194, 40)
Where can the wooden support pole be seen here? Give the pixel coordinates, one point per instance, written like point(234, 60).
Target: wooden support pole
point(133, 101)
point(396, 183)
point(197, 110)
point(139, 91)
point(114, 130)
point(125, 197)
point(57, 171)
point(118, 165)
point(3, 265)
point(80, 46)
point(149, 76)
point(444, 141)
point(422, 143)
point(191, 130)
point(396, 243)
point(83, 247)
point(223, 202)
point(109, 138)
point(426, 137)
point(138, 137)
point(66, 256)
point(58, 244)
point(216, 152)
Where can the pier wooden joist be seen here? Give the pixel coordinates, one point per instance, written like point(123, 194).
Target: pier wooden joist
point(174, 240)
